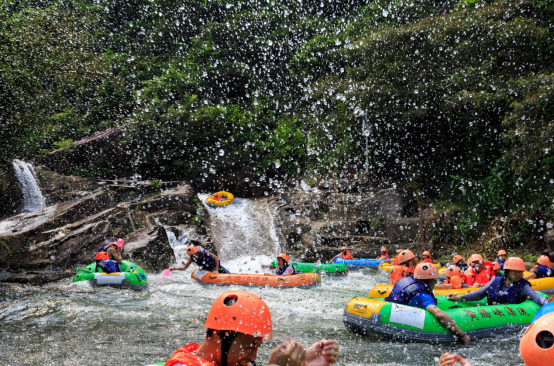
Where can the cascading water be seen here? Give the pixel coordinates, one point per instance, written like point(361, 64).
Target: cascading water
point(32, 197)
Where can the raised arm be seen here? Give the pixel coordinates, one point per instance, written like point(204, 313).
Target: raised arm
point(183, 268)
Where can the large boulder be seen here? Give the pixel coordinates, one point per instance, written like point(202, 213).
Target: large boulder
point(11, 196)
point(150, 249)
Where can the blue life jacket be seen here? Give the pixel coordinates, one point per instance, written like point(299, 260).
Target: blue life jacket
point(279, 272)
point(499, 293)
point(206, 262)
point(462, 268)
point(108, 266)
point(104, 248)
point(545, 272)
point(405, 289)
point(501, 263)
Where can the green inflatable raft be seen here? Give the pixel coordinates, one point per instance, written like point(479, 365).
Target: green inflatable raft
point(330, 269)
point(375, 317)
point(131, 276)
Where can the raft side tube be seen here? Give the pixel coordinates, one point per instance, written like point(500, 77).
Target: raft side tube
point(301, 280)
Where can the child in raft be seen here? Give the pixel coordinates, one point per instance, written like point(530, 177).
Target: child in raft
point(344, 254)
point(384, 254)
point(234, 335)
point(541, 270)
point(283, 266)
point(502, 255)
point(426, 257)
point(453, 279)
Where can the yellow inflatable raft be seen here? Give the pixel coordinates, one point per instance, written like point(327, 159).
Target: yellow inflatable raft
point(544, 285)
point(225, 199)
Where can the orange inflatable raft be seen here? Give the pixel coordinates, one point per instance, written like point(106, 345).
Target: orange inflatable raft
point(303, 280)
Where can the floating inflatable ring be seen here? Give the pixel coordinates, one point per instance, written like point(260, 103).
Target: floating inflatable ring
point(226, 199)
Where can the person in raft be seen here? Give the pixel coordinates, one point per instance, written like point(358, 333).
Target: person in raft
point(408, 262)
point(216, 197)
point(204, 259)
point(509, 288)
point(541, 270)
point(460, 262)
point(481, 272)
point(453, 279)
point(283, 266)
point(108, 258)
point(237, 324)
point(418, 292)
point(550, 256)
point(344, 254)
point(395, 261)
point(384, 254)
point(426, 257)
point(502, 255)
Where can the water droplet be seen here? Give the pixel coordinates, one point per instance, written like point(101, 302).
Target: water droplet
point(221, 152)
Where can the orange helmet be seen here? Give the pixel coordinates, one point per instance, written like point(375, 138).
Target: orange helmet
point(457, 258)
point(502, 252)
point(475, 258)
point(343, 248)
point(543, 261)
point(453, 271)
point(191, 249)
point(284, 256)
point(496, 266)
point(425, 271)
point(383, 249)
point(242, 312)
point(426, 253)
point(515, 263)
point(536, 345)
point(456, 282)
point(405, 256)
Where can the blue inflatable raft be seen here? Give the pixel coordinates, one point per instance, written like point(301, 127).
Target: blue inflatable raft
point(360, 263)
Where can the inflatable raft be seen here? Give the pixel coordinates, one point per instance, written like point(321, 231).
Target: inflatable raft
point(360, 263)
point(544, 285)
point(389, 266)
point(303, 280)
point(225, 200)
point(131, 276)
point(387, 320)
point(328, 269)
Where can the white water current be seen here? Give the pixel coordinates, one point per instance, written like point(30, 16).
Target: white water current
point(32, 197)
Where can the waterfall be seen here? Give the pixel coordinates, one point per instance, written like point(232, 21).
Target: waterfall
point(32, 197)
point(244, 228)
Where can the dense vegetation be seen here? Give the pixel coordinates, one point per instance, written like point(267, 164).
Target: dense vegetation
point(458, 96)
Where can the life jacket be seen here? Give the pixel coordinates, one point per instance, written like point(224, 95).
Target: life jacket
point(185, 356)
point(499, 293)
point(427, 261)
point(545, 272)
point(279, 272)
point(482, 277)
point(447, 282)
point(384, 256)
point(399, 273)
point(216, 198)
point(406, 289)
point(395, 261)
point(347, 256)
point(204, 261)
point(108, 266)
point(103, 252)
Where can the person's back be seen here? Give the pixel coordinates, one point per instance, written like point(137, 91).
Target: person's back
point(407, 289)
point(108, 258)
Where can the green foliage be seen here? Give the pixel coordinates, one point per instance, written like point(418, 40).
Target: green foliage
point(65, 145)
point(156, 185)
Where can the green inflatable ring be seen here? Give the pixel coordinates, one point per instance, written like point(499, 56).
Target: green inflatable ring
point(131, 276)
point(331, 269)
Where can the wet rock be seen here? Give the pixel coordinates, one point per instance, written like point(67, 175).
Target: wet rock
point(57, 188)
point(11, 197)
point(32, 279)
point(150, 249)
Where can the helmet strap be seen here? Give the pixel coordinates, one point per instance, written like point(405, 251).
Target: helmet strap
point(227, 338)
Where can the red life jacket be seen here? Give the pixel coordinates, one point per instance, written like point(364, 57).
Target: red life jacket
point(427, 261)
point(399, 273)
point(103, 252)
point(395, 261)
point(185, 356)
point(347, 256)
point(217, 198)
point(384, 256)
point(482, 278)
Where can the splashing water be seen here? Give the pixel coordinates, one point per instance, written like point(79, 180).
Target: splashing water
point(32, 197)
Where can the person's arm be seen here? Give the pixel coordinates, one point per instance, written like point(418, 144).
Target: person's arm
point(448, 359)
point(530, 294)
point(533, 273)
point(289, 271)
point(322, 353)
point(448, 323)
point(332, 259)
point(115, 254)
point(216, 259)
point(183, 268)
point(445, 286)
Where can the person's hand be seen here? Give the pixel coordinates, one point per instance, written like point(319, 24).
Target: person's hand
point(551, 299)
point(214, 271)
point(453, 297)
point(171, 268)
point(465, 339)
point(322, 353)
point(448, 359)
point(289, 353)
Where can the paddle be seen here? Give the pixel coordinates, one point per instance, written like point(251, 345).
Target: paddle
point(166, 273)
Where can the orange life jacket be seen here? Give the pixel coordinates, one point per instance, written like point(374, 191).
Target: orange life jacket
point(482, 278)
point(458, 286)
point(347, 256)
point(399, 273)
point(427, 261)
point(103, 254)
point(217, 198)
point(395, 261)
point(185, 356)
point(384, 256)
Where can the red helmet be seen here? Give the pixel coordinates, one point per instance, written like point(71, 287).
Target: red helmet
point(405, 256)
point(502, 252)
point(514, 263)
point(453, 271)
point(191, 250)
point(284, 257)
point(425, 271)
point(242, 312)
point(475, 258)
point(544, 260)
point(426, 253)
point(537, 346)
point(457, 258)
